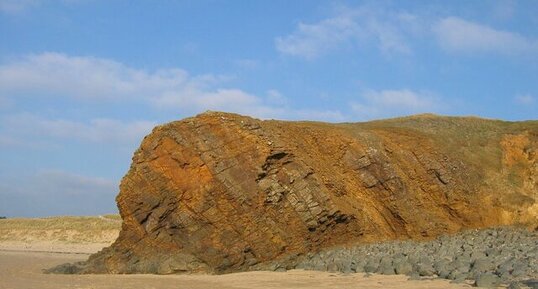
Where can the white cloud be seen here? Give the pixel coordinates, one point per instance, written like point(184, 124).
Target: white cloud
point(459, 35)
point(90, 79)
point(61, 192)
point(326, 115)
point(29, 126)
point(504, 9)
point(5, 103)
point(248, 64)
point(9, 141)
point(389, 36)
point(66, 183)
point(17, 142)
point(275, 97)
point(392, 31)
point(311, 40)
point(525, 99)
point(16, 6)
point(220, 99)
point(357, 27)
point(390, 103)
point(87, 78)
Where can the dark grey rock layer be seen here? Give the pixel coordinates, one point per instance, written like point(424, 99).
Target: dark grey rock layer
point(488, 258)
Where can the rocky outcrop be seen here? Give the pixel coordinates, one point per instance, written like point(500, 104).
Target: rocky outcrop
point(222, 192)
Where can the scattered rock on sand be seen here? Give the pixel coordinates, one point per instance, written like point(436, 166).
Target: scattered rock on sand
point(510, 263)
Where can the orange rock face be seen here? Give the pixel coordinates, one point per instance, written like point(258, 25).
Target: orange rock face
point(221, 192)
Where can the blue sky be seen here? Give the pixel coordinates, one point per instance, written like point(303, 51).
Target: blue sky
point(82, 81)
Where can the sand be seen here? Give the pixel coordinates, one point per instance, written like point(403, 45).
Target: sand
point(20, 268)
point(52, 247)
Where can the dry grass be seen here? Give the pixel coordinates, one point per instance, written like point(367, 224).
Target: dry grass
point(94, 229)
point(475, 140)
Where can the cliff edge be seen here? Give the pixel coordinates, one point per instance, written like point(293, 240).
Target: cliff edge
point(221, 192)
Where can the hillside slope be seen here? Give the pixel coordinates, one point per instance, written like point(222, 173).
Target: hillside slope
point(222, 192)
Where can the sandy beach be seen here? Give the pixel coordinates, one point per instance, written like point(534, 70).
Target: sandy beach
point(22, 270)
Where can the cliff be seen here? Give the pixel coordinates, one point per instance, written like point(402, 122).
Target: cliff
point(222, 192)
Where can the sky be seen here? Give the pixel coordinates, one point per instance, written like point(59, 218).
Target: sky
point(83, 81)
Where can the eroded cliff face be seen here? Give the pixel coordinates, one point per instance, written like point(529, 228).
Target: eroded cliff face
point(222, 192)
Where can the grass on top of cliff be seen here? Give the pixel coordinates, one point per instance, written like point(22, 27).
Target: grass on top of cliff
point(475, 139)
point(63, 229)
point(458, 127)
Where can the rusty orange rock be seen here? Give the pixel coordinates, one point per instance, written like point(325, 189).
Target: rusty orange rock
point(222, 192)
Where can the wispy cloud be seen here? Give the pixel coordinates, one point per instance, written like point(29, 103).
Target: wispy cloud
point(8, 141)
point(525, 99)
point(351, 26)
point(390, 103)
point(67, 183)
point(459, 35)
point(504, 9)
point(311, 40)
point(61, 192)
point(393, 31)
point(29, 126)
point(90, 79)
point(247, 64)
point(16, 6)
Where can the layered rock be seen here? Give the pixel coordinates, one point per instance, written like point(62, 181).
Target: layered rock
point(222, 192)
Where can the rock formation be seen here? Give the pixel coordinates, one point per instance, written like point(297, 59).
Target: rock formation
point(222, 192)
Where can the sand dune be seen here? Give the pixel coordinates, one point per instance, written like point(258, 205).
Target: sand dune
point(59, 234)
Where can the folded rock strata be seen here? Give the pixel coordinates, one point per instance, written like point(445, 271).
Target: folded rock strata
point(221, 192)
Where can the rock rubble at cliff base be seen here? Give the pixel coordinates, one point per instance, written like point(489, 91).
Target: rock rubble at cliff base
point(486, 258)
